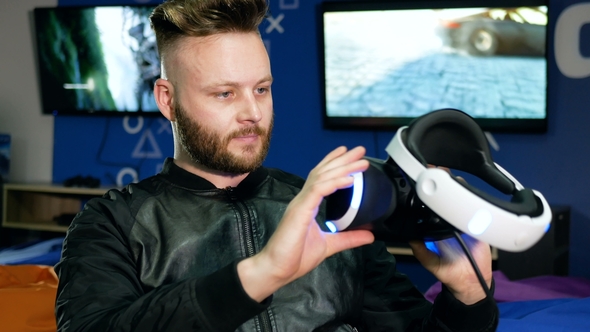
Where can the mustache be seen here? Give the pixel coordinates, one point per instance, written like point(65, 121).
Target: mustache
point(256, 130)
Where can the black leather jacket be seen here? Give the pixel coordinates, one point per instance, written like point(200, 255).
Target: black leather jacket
point(161, 255)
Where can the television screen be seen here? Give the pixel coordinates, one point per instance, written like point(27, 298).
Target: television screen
point(99, 60)
point(387, 62)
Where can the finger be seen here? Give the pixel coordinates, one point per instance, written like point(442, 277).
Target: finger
point(427, 258)
point(338, 242)
point(446, 169)
point(339, 157)
point(339, 171)
point(332, 155)
point(314, 191)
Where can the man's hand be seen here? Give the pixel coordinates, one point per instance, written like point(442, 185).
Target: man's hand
point(453, 268)
point(299, 245)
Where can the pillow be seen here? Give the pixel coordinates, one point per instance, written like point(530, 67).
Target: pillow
point(27, 298)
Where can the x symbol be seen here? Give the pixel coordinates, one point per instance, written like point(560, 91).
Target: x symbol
point(275, 23)
point(164, 126)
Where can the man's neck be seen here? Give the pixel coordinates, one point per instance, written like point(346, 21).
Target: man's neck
point(218, 179)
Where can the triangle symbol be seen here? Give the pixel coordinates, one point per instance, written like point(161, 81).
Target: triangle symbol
point(147, 138)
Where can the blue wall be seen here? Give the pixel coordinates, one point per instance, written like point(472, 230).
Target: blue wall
point(553, 163)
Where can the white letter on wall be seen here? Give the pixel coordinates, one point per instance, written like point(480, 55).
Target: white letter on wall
point(567, 41)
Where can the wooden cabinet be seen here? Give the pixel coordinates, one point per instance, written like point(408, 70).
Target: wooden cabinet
point(40, 206)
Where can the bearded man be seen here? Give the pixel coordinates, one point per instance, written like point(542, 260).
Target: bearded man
point(218, 242)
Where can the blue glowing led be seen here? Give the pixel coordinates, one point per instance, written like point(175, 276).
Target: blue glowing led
point(331, 226)
point(432, 247)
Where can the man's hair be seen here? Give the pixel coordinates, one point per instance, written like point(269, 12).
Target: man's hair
point(175, 19)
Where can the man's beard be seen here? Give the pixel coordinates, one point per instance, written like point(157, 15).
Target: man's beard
point(209, 149)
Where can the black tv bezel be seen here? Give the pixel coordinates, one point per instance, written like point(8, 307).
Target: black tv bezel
point(71, 111)
point(496, 125)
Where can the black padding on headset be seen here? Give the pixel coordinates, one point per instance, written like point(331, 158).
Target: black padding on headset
point(523, 202)
point(451, 138)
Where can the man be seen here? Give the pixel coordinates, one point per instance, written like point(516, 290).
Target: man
point(216, 242)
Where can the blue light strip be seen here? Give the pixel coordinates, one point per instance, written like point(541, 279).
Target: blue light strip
point(331, 226)
point(355, 202)
point(357, 191)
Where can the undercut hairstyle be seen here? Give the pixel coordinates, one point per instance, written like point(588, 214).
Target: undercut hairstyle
point(175, 19)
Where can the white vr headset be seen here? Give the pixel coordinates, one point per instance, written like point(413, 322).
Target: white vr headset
point(452, 139)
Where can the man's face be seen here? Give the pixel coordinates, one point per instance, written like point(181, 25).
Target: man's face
point(211, 149)
point(223, 102)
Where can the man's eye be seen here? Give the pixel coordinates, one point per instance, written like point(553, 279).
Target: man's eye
point(224, 95)
point(261, 90)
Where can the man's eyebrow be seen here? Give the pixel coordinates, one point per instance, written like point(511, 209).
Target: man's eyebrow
point(268, 78)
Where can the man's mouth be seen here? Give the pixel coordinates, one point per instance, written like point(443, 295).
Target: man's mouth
point(248, 138)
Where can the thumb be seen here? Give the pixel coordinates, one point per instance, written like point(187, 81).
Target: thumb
point(338, 242)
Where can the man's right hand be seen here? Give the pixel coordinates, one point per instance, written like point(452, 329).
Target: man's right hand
point(299, 245)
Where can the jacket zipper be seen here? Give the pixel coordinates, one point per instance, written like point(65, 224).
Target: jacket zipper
point(263, 319)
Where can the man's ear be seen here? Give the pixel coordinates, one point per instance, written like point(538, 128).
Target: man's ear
point(164, 95)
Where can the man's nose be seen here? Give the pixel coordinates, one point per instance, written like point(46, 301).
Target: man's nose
point(250, 110)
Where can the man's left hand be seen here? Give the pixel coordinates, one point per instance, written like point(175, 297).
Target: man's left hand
point(453, 268)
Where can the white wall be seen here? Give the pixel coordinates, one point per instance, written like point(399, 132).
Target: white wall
point(20, 107)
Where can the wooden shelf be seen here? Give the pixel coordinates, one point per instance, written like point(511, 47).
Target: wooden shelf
point(41, 226)
point(407, 251)
point(39, 206)
point(400, 251)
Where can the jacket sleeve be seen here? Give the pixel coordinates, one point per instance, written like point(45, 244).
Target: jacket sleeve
point(100, 289)
point(393, 303)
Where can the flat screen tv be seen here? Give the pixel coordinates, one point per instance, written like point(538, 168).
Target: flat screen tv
point(96, 60)
point(386, 62)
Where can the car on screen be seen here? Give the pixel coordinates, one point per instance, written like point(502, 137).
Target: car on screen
point(502, 31)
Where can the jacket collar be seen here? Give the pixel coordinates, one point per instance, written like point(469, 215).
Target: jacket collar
point(186, 179)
